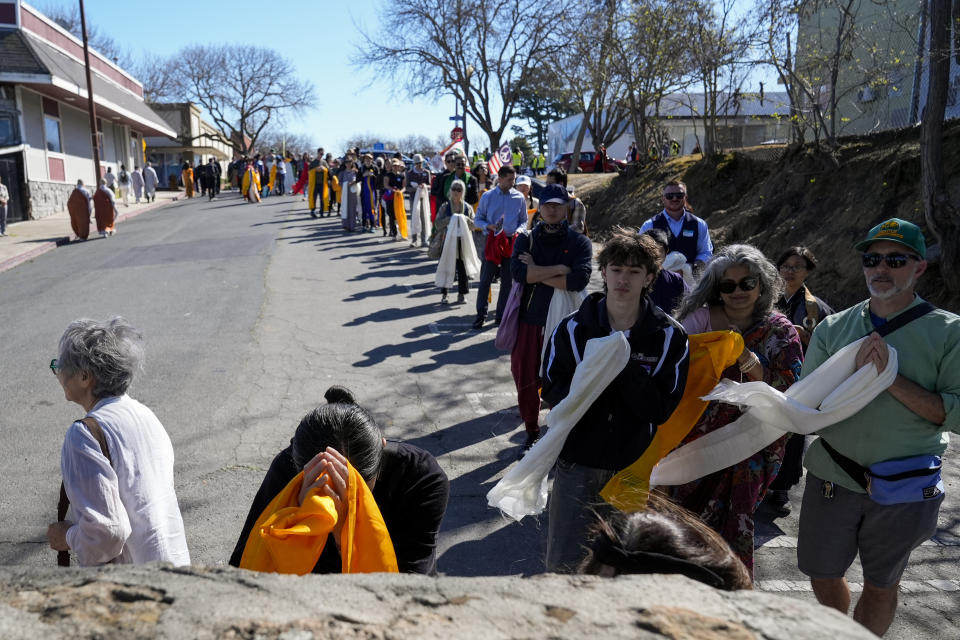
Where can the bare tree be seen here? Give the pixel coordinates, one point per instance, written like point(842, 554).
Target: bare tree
point(481, 51)
point(718, 48)
point(586, 66)
point(651, 56)
point(160, 77)
point(283, 141)
point(940, 213)
point(244, 89)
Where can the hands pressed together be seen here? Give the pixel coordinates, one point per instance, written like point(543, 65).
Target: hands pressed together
point(875, 350)
point(328, 473)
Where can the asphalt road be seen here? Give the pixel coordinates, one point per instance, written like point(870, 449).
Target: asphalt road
point(249, 313)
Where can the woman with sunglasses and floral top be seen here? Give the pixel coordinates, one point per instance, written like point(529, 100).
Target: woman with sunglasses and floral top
point(737, 291)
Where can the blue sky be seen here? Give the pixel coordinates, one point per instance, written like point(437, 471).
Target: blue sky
point(318, 37)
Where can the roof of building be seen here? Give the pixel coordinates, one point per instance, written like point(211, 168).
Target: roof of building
point(63, 77)
point(687, 105)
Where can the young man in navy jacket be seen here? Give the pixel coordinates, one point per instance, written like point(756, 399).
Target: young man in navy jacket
point(619, 425)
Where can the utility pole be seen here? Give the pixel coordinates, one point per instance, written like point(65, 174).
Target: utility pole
point(91, 108)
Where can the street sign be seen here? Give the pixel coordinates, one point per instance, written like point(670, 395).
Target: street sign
point(378, 146)
point(456, 133)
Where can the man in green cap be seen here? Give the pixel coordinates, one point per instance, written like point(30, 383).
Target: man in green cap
point(839, 519)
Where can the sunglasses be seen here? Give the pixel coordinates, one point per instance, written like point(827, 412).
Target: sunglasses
point(54, 365)
point(677, 195)
point(893, 260)
point(457, 189)
point(747, 284)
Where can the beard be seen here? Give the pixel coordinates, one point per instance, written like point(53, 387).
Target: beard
point(892, 291)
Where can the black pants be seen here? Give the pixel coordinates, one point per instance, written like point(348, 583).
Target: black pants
point(462, 285)
point(791, 469)
point(280, 186)
point(388, 217)
point(317, 195)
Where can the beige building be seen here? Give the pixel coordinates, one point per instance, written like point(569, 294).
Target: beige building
point(45, 139)
point(196, 141)
point(882, 82)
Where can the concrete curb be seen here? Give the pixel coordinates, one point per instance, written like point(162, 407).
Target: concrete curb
point(43, 248)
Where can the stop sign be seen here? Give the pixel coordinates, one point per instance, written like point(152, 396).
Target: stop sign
point(456, 133)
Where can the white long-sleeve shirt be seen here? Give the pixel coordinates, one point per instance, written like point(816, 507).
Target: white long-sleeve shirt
point(126, 512)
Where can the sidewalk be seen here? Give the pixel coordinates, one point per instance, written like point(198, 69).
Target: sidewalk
point(27, 240)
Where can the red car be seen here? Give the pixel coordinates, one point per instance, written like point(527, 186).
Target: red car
point(587, 163)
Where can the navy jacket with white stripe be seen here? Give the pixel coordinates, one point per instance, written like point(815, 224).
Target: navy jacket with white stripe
point(620, 424)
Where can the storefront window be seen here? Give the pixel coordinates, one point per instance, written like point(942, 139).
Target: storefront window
point(51, 127)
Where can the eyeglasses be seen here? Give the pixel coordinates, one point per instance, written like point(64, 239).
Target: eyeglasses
point(676, 195)
point(793, 269)
point(458, 189)
point(54, 365)
point(747, 284)
point(893, 260)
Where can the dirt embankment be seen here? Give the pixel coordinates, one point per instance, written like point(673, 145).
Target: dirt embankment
point(805, 197)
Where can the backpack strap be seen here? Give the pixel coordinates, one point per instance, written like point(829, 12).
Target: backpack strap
point(904, 318)
point(63, 557)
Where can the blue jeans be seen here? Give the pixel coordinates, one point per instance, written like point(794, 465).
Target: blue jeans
point(574, 507)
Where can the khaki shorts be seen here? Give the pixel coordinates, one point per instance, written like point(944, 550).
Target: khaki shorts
point(833, 530)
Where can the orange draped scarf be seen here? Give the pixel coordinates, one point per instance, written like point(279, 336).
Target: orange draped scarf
point(289, 538)
point(710, 354)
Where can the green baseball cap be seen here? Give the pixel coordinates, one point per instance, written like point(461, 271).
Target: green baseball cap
point(899, 231)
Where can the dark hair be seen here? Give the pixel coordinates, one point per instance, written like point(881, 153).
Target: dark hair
point(665, 538)
point(802, 252)
point(627, 248)
point(337, 393)
point(506, 170)
point(559, 176)
point(345, 427)
point(660, 237)
point(682, 185)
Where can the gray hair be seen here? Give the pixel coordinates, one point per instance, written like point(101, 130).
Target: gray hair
point(111, 351)
point(707, 291)
point(459, 183)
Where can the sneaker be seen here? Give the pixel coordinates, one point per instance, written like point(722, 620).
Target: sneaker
point(478, 323)
point(779, 500)
point(461, 299)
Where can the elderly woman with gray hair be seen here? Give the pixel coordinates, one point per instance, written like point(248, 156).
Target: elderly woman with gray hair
point(737, 291)
point(117, 462)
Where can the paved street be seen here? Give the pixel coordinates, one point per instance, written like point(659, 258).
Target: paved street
point(250, 312)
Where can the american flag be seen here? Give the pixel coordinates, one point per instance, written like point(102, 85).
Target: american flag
point(501, 157)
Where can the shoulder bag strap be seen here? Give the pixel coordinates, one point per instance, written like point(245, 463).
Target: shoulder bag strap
point(904, 318)
point(810, 302)
point(856, 472)
point(63, 557)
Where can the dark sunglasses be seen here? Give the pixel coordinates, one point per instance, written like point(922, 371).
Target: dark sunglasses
point(455, 189)
point(747, 284)
point(893, 260)
point(674, 196)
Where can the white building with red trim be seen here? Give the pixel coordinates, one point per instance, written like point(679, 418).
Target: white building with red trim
point(45, 140)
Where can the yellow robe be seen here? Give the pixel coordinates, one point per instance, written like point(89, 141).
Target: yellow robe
point(318, 180)
point(335, 185)
point(248, 175)
point(289, 538)
point(710, 354)
point(400, 213)
point(273, 178)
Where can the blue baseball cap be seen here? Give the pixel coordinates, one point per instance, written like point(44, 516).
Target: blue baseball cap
point(554, 193)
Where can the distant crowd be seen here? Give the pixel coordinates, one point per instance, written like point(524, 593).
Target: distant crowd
point(625, 366)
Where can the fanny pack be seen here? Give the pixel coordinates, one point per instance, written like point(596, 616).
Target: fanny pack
point(912, 479)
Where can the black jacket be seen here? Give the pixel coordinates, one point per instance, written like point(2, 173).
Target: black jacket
point(411, 492)
point(619, 425)
point(564, 247)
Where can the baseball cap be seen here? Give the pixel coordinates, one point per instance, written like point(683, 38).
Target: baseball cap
point(899, 231)
point(554, 193)
point(523, 180)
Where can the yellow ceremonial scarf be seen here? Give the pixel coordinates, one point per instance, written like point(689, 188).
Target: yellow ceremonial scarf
point(710, 354)
point(289, 538)
point(273, 177)
point(335, 183)
point(400, 212)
